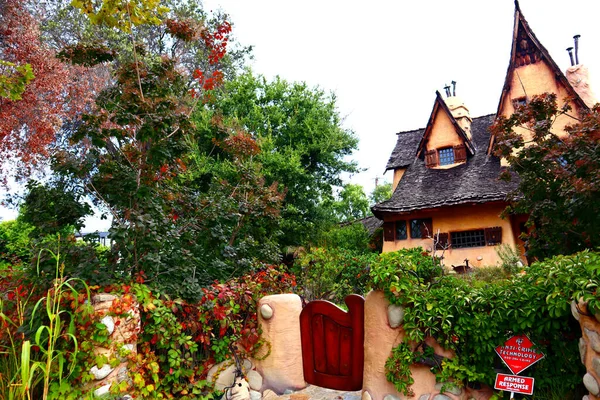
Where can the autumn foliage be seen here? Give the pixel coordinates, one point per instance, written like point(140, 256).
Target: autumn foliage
point(559, 176)
point(59, 93)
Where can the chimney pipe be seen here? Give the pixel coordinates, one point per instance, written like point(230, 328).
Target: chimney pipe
point(570, 50)
point(576, 38)
point(453, 88)
point(447, 89)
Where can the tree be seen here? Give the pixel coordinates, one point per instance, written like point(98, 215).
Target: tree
point(303, 145)
point(352, 203)
point(59, 91)
point(381, 193)
point(559, 176)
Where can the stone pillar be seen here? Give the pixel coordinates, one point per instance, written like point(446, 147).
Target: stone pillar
point(279, 319)
point(589, 347)
point(123, 331)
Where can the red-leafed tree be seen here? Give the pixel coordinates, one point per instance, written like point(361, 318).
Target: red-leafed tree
point(559, 176)
point(59, 92)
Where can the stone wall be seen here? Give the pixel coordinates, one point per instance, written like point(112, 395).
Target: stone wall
point(122, 332)
point(589, 347)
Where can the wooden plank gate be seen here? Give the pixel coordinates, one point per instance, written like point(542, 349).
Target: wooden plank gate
point(332, 343)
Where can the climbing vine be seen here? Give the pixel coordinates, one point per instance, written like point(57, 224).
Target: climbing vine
point(472, 317)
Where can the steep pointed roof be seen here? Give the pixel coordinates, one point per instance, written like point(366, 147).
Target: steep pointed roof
point(527, 49)
point(440, 105)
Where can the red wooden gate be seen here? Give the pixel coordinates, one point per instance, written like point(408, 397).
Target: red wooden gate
point(332, 343)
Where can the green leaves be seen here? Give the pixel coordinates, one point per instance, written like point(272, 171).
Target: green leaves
point(472, 318)
point(122, 14)
point(14, 79)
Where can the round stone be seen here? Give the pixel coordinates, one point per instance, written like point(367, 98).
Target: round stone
point(266, 311)
point(574, 310)
point(365, 396)
point(102, 297)
point(424, 397)
point(391, 397)
point(102, 390)
point(441, 397)
point(591, 384)
point(395, 315)
point(109, 322)
point(255, 380)
point(101, 373)
point(254, 395)
point(582, 350)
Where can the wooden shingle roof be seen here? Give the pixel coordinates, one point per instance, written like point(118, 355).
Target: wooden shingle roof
point(420, 188)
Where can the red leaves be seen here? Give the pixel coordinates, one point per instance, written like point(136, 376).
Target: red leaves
point(59, 91)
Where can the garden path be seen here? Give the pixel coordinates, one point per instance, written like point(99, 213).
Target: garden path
point(318, 393)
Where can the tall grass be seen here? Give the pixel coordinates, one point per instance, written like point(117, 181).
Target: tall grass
point(20, 375)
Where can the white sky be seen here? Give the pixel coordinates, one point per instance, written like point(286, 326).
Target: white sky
point(384, 60)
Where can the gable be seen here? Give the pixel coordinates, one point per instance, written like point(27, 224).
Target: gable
point(531, 71)
point(443, 133)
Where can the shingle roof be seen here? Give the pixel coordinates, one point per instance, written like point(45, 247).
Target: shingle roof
point(476, 181)
point(406, 149)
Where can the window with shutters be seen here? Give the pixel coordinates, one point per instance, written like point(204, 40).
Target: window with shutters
point(460, 153)
point(446, 156)
point(420, 228)
point(474, 238)
point(431, 159)
point(401, 233)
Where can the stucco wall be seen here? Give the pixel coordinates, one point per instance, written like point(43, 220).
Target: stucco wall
point(460, 218)
point(443, 133)
point(536, 79)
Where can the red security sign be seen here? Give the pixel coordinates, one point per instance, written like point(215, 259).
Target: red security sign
point(514, 383)
point(518, 353)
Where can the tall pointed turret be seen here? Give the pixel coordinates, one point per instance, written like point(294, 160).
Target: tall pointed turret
point(531, 71)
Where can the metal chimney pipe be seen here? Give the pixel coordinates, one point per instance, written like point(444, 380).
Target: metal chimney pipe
point(576, 38)
point(570, 50)
point(453, 88)
point(447, 89)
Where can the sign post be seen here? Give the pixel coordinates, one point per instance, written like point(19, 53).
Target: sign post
point(518, 354)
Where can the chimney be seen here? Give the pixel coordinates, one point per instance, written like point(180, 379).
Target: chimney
point(459, 111)
point(570, 50)
point(578, 76)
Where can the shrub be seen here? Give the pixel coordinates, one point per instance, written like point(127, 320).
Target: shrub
point(473, 319)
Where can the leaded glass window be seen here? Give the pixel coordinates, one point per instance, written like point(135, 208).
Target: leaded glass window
point(446, 156)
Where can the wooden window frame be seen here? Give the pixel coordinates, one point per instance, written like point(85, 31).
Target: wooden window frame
point(424, 230)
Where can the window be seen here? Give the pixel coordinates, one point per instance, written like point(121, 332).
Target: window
point(464, 239)
point(401, 230)
point(420, 228)
point(519, 102)
point(446, 156)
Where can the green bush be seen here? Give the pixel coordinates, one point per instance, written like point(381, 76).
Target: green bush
point(473, 318)
point(332, 274)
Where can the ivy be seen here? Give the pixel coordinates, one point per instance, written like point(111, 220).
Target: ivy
point(472, 318)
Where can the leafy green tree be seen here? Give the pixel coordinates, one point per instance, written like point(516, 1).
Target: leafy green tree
point(304, 148)
point(352, 203)
point(15, 244)
point(559, 177)
point(381, 193)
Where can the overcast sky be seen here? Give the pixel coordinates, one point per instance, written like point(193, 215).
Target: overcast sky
point(384, 60)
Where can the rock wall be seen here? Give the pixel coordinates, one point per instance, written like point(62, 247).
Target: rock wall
point(589, 347)
point(122, 332)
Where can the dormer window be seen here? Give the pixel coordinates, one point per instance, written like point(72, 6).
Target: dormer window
point(447, 156)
